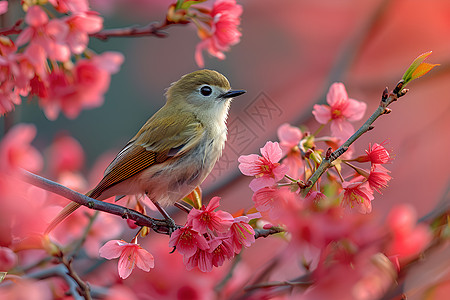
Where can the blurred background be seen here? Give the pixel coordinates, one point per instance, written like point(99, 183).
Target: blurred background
point(290, 53)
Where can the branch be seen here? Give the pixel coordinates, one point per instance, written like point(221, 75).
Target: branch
point(85, 289)
point(267, 232)
point(386, 99)
point(159, 226)
point(151, 29)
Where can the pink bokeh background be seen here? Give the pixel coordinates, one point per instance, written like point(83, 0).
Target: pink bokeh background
point(290, 53)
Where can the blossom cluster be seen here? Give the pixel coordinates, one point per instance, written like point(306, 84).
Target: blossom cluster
point(49, 59)
point(329, 226)
point(217, 27)
point(283, 163)
point(210, 237)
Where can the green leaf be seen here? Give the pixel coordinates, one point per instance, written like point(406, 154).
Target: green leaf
point(2, 276)
point(186, 4)
point(418, 68)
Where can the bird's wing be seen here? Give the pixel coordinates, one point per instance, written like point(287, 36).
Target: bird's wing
point(139, 154)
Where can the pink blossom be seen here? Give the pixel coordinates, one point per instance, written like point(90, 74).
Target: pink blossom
point(81, 87)
point(378, 178)
point(315, 197)
point(201, 259)
point(408, 237)
point(26, 289)
point(357, 195)
point(130, 254)
point(271, 201)
point(290, 138)
point(66, 154)
point(46, 36)
point(80, 26)
point(9, 96)
point(74, 6)
point(266, 169)
point(8, 259)
point(221, 249)
point(12, 79)
point(242, 233)
point(340, 111)
point(3, 7)
point(206, 218)
point(16, 150)
point(223, 33)
point(376, 154)
point(187, 241)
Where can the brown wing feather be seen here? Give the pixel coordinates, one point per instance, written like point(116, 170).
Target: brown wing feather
point(136, 160)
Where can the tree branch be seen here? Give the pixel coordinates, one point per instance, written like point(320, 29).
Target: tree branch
point(386, 99)
point(151, 29)
point(159, 226)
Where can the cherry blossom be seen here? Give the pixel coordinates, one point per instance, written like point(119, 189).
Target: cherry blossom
point(46, 36)
point(221, 249)
point(357, 195)
point(409, 238)
point(201, 259)
point(206, 219)
point(272, 201)
point(130, 254)
point(81, 87)
point(376, 154)
point(290, 137)
point(378, 178)
point(265, 168)
point(80, 26)
point(74, 6)
point(340, 111)
point(8, 259)
point(223, 32)
point(242, 233)
point(16, 150)
point(187, 241)
point(11, 78)
point(66, 154)
point(3, 7)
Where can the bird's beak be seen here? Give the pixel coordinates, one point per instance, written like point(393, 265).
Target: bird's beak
point(231, 94)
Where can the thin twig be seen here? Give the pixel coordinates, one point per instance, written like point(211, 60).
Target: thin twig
point(267, 232)
point(159, 226)
point(151, 29)
point(85, 289)
point(386, 99)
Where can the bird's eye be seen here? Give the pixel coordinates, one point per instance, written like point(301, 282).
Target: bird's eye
point(206, 90)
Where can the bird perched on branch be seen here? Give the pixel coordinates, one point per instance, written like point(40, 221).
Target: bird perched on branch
point(176, 148)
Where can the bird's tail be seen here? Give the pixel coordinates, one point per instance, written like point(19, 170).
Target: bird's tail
point(63, 214)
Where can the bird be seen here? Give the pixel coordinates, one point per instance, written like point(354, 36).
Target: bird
point(175, 150)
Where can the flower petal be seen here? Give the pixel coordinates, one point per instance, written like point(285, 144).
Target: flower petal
point(337, 94)
point(145, 261)
point(272, 152)
point(322, 113)
point(111, 249)
point(261, 182)
point(355, 110)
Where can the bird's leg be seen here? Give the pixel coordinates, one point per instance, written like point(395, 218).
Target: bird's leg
point(169, 221)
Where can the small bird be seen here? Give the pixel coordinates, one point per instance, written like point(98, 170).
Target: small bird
point(176, 148)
